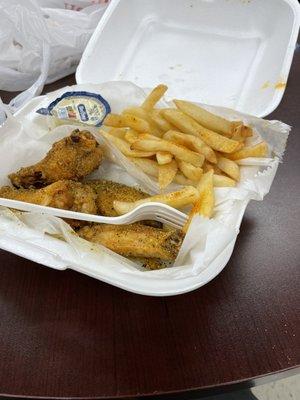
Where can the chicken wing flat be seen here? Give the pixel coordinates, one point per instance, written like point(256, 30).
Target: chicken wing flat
point(73, 158)
point(135, 240)
point(108, 191)
point(67, 195)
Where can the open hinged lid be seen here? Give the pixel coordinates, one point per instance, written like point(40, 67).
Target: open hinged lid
point(232, 53)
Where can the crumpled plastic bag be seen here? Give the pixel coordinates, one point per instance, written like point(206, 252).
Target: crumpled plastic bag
point(42, 41)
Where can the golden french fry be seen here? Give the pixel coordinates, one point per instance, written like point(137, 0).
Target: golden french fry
point(148, 136)
point(118, 132)
point(205, 202)
point(207, 166)
point(143, 114)
point(258, 150)
point(166, 174)
point(182, 180)
point(206, 118)
point(192, 142)
point(189, 170)
point(131, 136)
point(177, 150)
point(160, 122)
point(238, 137)
point(150, 167)
point(246, 131)
point(114, 120)
point(188, 125)
point(185, 196)
point(136, 123)
point(229, 167)
point(127, 120)
point(223, 181)
point(124, 147)
point(239, 147)
point(163, 157)
point(154, 96)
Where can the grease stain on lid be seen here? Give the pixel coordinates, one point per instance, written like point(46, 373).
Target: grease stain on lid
point(266, 85)
point(280, 85)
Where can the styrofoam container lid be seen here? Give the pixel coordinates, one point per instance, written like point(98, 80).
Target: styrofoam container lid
point(232, 53)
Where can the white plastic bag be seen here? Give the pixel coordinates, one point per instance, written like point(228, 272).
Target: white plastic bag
point(42, 41)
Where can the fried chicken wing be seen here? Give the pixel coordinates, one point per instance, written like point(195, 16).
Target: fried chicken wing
point(108, 191)
point(67, 195)
point(73, 157)
point(135, 240)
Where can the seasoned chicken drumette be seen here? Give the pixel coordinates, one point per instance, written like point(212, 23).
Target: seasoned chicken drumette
point(135, 240)
point(73, 158)
point(66, 195)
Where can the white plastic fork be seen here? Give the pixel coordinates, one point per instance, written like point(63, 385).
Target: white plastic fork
point(147, 211)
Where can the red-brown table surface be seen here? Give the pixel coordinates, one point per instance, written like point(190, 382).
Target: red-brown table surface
point(63, 334)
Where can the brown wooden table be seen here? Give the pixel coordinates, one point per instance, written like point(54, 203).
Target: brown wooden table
point(63, 334)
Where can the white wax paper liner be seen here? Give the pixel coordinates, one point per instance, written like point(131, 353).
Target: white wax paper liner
point(25, 138)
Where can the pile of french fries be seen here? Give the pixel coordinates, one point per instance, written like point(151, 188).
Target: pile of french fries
point(187, 145)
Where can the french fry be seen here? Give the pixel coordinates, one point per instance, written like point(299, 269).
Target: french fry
point(258, 150)
point(182, 180)
point(114, 120)
point(143, 114)
point(160, 122)
point(166, 174)
point(131, 136)
point(149, 167)
point(163, 157)
point(177, 150)
point(207, 166)
point(192, 142)
point(229, 167)
point(124, 147)
point(238, 137)
point(242, 131)
point(189, 170)
point(136, 123)
point(205, 202)
point(246, 131)
point(187, 125)
point(206, 118)
point(223, 181)
point(154, 96)
point(148, 136)
point(118, 132)
point(239, 147)
point(185, 196)
point(127, 120)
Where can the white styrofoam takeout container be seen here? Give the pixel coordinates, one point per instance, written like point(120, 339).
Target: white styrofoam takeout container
point(231, 53)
